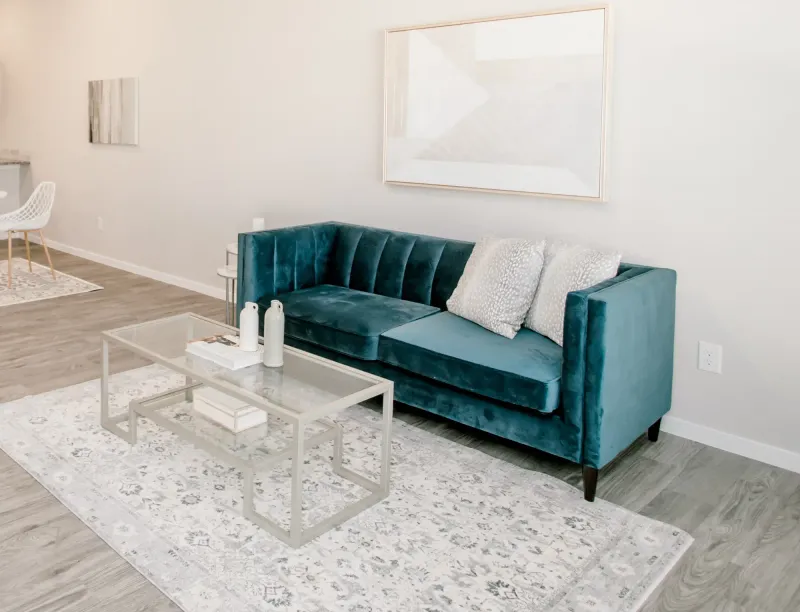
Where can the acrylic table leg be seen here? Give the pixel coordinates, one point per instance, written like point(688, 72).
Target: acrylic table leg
point(189, 381)
point(132, 422)
point(247, 492)
point(296, 529)
point(337, 448)
point(104, 387)
point(386, 444)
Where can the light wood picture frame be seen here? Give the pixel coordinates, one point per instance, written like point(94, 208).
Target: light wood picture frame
point(514, 104)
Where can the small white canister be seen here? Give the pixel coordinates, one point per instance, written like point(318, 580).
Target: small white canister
point(248, 328)
point(273, 335)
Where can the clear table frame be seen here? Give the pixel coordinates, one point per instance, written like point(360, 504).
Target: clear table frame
point(308, 390)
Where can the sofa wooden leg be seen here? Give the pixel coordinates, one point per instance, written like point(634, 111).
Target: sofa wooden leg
point(652, 433)
point(589, 483)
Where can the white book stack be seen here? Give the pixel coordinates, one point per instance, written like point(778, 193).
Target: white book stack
point(214, 405)
point(229, 412)
point(224, 351)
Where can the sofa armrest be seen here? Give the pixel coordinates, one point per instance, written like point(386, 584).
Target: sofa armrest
point(618, 359)
point(282, 260)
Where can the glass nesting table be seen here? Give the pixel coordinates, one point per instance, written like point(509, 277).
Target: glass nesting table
point(305, 394)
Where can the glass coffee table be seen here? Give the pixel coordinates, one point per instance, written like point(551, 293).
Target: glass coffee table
point(305, 393)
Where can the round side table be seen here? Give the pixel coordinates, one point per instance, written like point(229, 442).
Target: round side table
point(229, 273)
point(231, 249)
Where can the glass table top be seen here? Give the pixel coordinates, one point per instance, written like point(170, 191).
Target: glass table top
point(305, 382)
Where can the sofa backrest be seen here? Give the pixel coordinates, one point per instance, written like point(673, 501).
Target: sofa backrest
point(412, 267)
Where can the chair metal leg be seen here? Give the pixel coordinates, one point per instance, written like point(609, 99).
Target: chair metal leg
point(10, 248)
point(28, 251)
point(46, 252)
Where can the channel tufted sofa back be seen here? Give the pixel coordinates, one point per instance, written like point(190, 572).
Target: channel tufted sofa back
point(411, 267)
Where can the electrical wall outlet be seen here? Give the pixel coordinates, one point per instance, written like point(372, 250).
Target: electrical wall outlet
point(100, 224)
point(709, 357)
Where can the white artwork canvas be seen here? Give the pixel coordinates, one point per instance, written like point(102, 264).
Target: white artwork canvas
point(514, 104)
point(114, 111)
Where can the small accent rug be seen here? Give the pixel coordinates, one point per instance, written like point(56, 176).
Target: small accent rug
point(459, 531)
point(37, 285)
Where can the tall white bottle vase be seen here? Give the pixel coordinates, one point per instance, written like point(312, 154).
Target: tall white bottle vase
point(273, 335)
point(248, 328)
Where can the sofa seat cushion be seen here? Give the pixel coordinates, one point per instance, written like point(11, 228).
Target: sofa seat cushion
point(525, 371)
point(345, 320)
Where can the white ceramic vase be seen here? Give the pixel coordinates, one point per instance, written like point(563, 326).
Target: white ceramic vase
point(248, 328)
point(273, 335)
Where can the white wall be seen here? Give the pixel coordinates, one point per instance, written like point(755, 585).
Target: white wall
point(274, 108)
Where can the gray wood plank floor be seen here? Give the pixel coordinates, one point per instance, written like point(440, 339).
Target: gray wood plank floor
point(744, 515)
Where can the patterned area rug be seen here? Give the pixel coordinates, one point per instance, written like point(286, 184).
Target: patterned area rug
point(37, 285)
point(460, 530)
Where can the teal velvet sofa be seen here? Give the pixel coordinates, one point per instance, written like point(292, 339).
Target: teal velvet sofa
point(376, 299)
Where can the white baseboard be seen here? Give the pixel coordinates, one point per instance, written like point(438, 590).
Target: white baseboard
point(170, 279)
point(732, 443)
point(772, 455)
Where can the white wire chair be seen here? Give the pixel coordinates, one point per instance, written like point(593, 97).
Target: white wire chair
point(32, 217)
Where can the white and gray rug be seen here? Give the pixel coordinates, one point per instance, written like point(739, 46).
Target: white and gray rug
point(37, 285)
point(460, 530)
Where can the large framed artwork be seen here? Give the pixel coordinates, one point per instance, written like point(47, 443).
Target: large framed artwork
point(114, 111)
point(511, 104)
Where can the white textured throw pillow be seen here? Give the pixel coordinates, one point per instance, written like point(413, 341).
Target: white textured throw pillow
point(566, 268)
point(498, 284)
